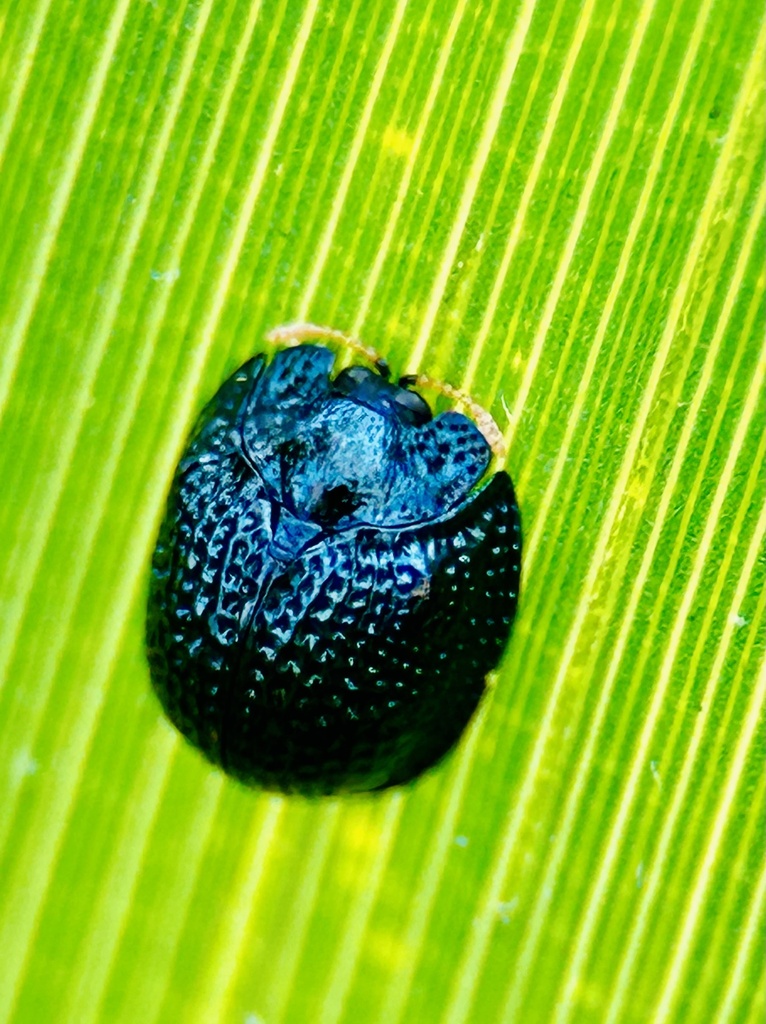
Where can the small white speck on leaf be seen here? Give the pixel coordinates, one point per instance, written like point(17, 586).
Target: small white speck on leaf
point(23, 764)
point(506, 410)
point(506, 907)
point(461, 841)
point(168, 276)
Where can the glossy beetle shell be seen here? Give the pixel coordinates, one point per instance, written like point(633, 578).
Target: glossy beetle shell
point(331, 583)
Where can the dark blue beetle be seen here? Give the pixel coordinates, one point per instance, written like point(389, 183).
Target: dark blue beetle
point(330, 588)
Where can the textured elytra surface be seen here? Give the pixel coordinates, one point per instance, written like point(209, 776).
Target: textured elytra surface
point(329, 587)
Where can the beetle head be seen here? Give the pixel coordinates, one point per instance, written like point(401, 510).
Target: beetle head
point(363, 385)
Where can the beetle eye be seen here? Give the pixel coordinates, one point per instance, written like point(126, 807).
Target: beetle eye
point(412, 408)
point(348, 380)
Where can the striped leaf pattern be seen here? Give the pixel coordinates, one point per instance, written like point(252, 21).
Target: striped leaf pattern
point(557, 205)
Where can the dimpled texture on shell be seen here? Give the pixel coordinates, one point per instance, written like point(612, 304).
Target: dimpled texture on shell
point(330, 587)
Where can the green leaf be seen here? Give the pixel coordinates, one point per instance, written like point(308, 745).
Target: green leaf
point(558, 207)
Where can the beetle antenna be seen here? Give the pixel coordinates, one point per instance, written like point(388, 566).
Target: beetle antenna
point(295, 334)
point(482, 418)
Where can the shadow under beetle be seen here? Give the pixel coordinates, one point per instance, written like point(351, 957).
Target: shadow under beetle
point(332, 582)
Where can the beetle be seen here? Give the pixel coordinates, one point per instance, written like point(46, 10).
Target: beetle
point(334, 578)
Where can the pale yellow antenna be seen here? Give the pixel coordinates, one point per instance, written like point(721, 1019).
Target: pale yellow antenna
point(481, 417)
point(295, 334)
